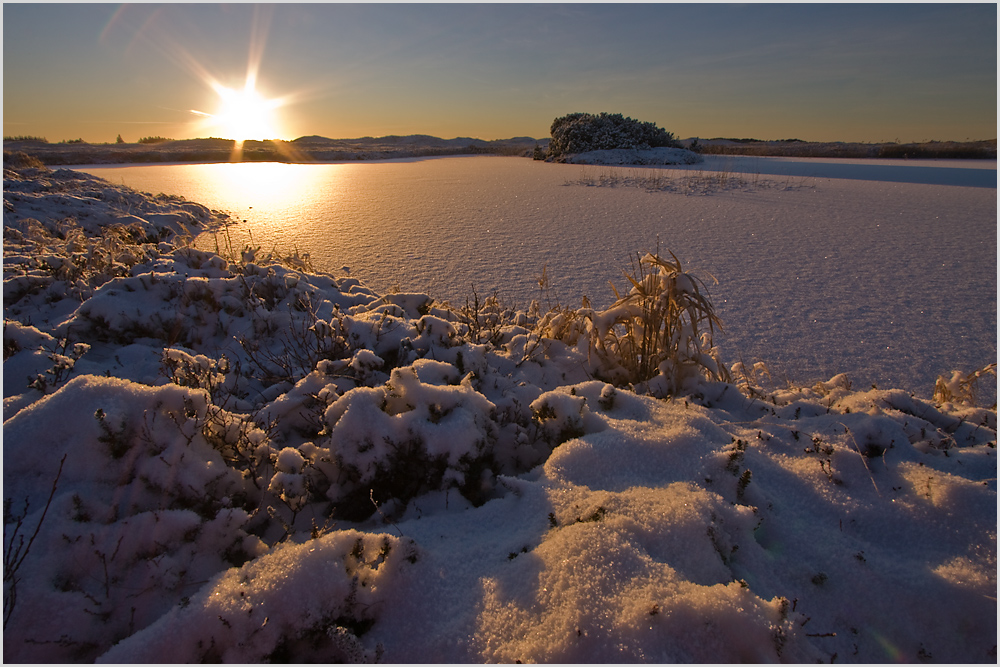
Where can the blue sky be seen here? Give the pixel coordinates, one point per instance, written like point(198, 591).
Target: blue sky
point(907, 72)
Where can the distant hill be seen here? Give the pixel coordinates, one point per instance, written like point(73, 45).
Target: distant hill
point(304, 149)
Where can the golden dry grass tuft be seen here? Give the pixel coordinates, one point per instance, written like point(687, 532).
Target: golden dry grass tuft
point(664, 326)
point(962, 387)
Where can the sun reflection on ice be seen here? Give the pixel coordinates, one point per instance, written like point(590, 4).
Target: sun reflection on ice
point(270, 186)
point(271, 198)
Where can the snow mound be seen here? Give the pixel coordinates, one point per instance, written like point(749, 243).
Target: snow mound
point(231, 458)
point(639, 156)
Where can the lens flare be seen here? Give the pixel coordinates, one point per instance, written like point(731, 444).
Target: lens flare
point(245, 114)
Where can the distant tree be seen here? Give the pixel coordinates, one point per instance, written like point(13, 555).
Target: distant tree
point(581, 132)
point(154, 140)
point(119, 140)
point(41, 140)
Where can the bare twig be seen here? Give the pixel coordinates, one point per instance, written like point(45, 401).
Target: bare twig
point(14, 554)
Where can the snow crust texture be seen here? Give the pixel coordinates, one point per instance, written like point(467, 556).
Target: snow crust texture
point(225, 456)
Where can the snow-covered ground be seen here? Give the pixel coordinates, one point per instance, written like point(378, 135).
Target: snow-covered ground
point(235, 458)
point(881, 269)
point(647, 156)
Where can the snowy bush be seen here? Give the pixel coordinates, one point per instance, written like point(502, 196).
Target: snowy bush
point(565, 413)
point(143, 511)
point(301, 603)
point(582, 132)
point(423, 431)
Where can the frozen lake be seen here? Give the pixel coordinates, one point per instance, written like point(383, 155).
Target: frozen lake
point(885, 270)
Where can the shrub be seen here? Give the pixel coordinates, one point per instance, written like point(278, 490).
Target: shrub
point(582, 132)
point(154, 140)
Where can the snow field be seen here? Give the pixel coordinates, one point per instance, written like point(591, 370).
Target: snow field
point(882, 269)
point(253, 462)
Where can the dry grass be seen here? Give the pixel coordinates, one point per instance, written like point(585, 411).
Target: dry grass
point(664, 326)
point(19, 160)
point(252, 254)
point(962, 387)
point(658, 336)
point(683, 181)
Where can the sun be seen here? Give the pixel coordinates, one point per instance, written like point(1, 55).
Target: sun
point(244, 115)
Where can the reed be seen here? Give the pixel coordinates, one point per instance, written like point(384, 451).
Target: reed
point(664, 326)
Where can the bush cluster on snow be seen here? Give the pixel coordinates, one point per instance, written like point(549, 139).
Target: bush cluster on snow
point(210, 457)
point(583, 132)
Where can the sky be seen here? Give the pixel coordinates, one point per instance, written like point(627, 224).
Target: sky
point(836, 72)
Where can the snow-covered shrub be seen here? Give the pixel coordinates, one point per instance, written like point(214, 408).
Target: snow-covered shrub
point(413, 306)
point(564, 414)
point(434, 331)
point(75, 259)
point(144, 512)
point(288, 482)
point(239, 440)
point(420, 432)
point(17, 337)
point(301, 603)
point(365, 363)
point(489, 320)
point(63, 357)
point(582, 132)
point(196, 370)
point(286, 345)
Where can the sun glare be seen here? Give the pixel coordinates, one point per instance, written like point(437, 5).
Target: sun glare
point(244, 114)
point(241, 115)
